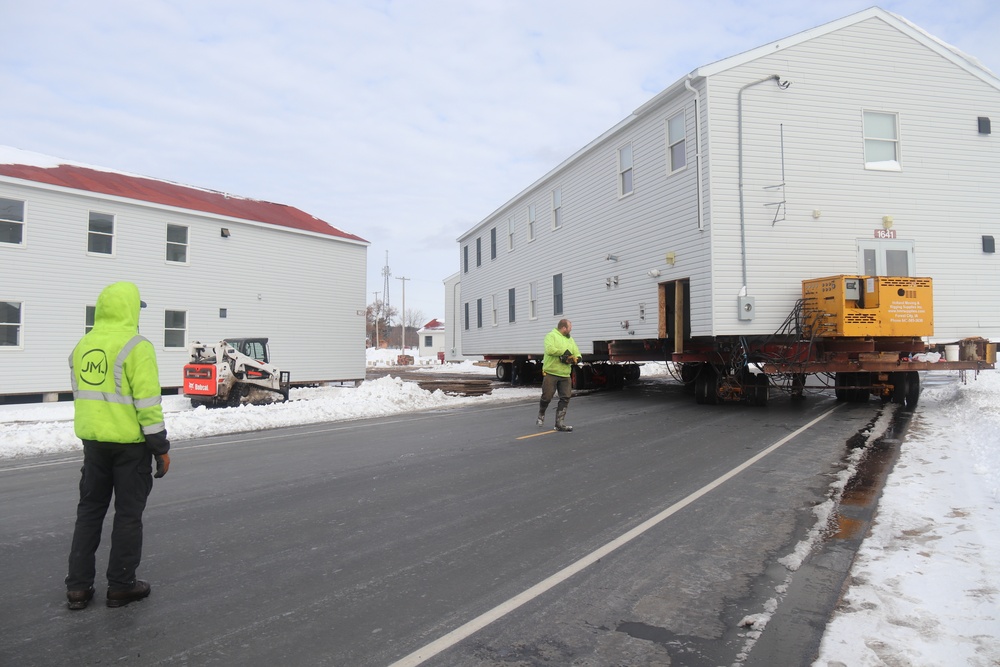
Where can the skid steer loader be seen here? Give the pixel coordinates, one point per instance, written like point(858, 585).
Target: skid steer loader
point(232, 372)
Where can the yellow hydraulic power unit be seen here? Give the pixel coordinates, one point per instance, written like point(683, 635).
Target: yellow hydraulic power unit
point(895, 306)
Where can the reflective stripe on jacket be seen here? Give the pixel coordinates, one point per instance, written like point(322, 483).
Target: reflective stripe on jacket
point(555, 344)
point(115, 378)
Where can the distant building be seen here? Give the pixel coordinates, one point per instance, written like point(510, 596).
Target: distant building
point(208, 264)
point(431, 339)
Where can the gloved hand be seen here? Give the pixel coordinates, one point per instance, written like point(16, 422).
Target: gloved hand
point(567, 357)
point(162, 465)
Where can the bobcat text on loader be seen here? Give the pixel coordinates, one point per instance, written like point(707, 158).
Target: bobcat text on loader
point(232, 372)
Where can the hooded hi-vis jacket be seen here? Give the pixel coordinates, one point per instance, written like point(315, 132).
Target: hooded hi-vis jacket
point(556, 342)
point(116, 382)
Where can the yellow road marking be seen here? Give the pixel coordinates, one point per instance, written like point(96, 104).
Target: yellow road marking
point(535, 435)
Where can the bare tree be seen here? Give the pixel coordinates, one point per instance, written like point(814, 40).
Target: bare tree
point(378, 321)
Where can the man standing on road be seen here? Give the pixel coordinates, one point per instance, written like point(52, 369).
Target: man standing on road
point(561, 353)
point(118, 415)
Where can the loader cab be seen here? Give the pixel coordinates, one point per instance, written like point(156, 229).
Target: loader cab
point(255, 348)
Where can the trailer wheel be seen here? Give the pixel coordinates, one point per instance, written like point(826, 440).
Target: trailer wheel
point(504, 371)
point(760, 390)
point(912, 389)
point(841, 380)
point(706, 385)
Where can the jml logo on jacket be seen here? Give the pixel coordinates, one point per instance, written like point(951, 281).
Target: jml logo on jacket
point(116, 383)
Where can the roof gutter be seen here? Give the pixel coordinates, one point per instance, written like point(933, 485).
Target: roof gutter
point(697, 145)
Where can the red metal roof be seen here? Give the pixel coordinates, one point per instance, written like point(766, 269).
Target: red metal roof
point(173, 194)
point(434, 324)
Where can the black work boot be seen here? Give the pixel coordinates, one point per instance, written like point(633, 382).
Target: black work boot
point(79, 599)
point(121, 597)
point(561, 424)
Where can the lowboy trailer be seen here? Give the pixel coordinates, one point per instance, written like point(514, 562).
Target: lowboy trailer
point(862, 336)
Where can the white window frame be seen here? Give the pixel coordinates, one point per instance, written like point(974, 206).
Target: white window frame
point(558, 296)
point(874, 141)
point(874, 259)
point(676, 143)
point(16, 223)
point(18, 325)
point(177, 244)
point(626, 170)
point(89, 315)
point(100, 235)
point(510, 233)
point(493, 309)
point(556, 208)
point(531, 222)
point(532, 301)
point(168, 330)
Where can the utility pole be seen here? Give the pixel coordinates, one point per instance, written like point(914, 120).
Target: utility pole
point(386, 273)
point(402, 318)
point(377, 310)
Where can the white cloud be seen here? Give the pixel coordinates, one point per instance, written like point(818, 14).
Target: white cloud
point(402, 122)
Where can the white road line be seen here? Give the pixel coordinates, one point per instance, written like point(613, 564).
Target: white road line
point(424, 653)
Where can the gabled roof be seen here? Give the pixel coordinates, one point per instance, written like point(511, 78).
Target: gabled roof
point(963, 60)
point(433, 324)
point(37, 168)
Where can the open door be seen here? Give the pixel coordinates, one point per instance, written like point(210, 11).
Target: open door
point(675, 312)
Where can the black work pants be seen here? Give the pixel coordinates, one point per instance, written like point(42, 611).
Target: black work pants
point(124, 470)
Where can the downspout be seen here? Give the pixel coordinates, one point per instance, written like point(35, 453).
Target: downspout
point(697, 145)
point(739, 113)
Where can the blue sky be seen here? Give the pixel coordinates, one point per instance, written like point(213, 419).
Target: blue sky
point(403, 122)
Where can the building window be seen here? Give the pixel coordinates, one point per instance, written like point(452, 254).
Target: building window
point(89, 319)
point(557, 208)
point(479, 313)
point(625, 170)
point(465, 259)
point(223, 313)
point(10, 324)
point(428, 341)
point(493, 243)
point(466, 315)
point(510, 305)
point(175, 328)
point(531, 222)
point(881, 140)
point(493, 308)
point(11, 221)
point(479, 252)
point(101, 235)
point(532, 300)
point(510, 233)
point(557, 294)
point(177, 244)
point(676, 142)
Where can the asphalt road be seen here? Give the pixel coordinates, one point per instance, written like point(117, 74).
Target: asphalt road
point(372, 542)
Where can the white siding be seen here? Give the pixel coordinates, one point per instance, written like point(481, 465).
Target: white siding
point(660, 216)
point(302, 291)
point(944, 199)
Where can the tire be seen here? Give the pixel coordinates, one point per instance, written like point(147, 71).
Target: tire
point(504, 371)
point(706, 386)
point(900, 386)
point(761, 390)
point(912, 389)
point(842, 380)
point(861, 394)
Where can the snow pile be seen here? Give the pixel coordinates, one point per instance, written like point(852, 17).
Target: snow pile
point(926, 583)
